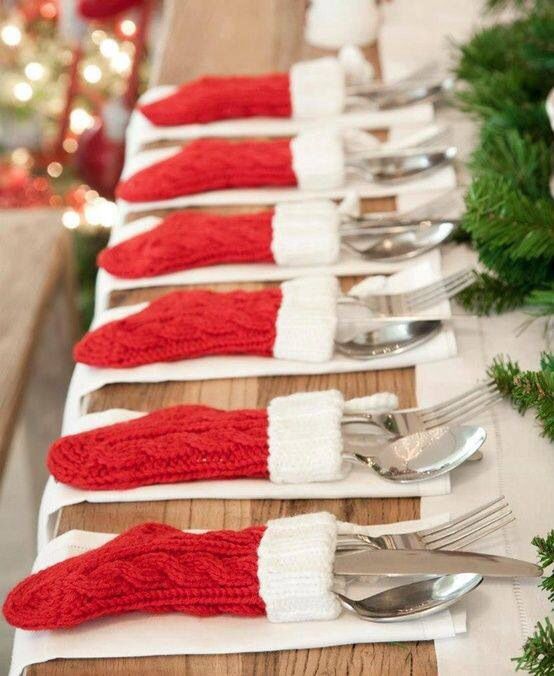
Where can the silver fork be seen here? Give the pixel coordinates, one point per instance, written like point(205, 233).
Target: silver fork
point(403, 422)
point(453, 535)
point(409, 302)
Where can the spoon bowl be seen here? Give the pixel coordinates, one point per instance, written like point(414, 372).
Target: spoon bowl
point(421, 456)
point(399, 243)
point(389, 338)
point(415, 600)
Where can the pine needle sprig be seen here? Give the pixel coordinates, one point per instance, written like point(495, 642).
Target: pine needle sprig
point(490, 295)
point(528, 389)
point(538, 650)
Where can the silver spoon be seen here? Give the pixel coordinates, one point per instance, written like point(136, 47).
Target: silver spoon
point(401, 165)
point(396, 242)
point(388, 338)
point(415, 600)
point(420, 456)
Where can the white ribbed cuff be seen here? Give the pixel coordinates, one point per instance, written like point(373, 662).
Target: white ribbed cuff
point(295, 568)
point(318, 160)
point(305, 233)
point(307, 319)
point(317, 88)
point(305, 440)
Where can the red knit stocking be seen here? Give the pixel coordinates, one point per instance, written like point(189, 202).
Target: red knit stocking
point(182, 443)
point(191, 239)
point(185, 325)
point(212, 164)
point(219, 98)
point(152, 568)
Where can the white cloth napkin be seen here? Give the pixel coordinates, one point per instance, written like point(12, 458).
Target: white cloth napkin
point(358, 482)
point(442, 179)
point(86, 379)
point(347, 264)
point(141, 131)
point(136, 635)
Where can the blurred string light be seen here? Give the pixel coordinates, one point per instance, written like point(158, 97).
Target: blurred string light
point(92, 73)
point(71, 219)
point(34, 71)
point(11, 35)
point(80, 120)
point(23, 91)
point(128, 28)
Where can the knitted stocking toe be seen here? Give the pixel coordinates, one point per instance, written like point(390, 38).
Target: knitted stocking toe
point(181, 443)
point(153, 568)
point(212, 164)
point(218, 98)
point(185, 325)
point(189, 240)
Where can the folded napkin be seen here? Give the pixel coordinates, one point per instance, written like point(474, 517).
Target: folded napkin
point(315, 88)
point(292, 327)
point(283, 570)
point(288, 103)
point(297, 321)
point(142, 239)
point(314, 160)
point(303, 233)
point(179, 634)
point(147, 163)
point(297, 439)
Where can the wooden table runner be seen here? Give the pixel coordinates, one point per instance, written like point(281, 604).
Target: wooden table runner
point(266, 35)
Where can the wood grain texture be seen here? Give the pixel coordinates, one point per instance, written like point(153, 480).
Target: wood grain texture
point(253, 36)
point(34, 258)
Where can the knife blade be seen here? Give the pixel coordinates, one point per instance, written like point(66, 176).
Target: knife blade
point(425, 562)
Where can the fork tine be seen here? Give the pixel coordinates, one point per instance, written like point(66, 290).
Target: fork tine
point(485, 515)
point(469, 410)
point(449, 291)
point(439, 296)
point(456, 401)
point(477, 534)
point(439, 284)
point(462, 518)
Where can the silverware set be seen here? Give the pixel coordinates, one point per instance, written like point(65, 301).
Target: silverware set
point(448, 575)
point(381, 324)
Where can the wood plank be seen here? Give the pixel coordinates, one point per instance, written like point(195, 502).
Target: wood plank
point(34, 257)
point(257, 36)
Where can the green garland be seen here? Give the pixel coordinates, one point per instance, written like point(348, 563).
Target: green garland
point(508, 71)
point(528, 389)
point(538, 650)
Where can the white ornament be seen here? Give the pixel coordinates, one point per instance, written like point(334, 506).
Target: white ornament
point(335, 23)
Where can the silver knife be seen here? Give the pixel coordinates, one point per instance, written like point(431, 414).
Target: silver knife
point(423, 562)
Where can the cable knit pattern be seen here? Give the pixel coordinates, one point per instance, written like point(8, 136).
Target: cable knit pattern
point(208, 99)
point(212, 164)
point(191, 239)
point(307, 319)
point(181, 443)
point(185, 325)
point(305, 438)
point(151, 568)
point(295, 568)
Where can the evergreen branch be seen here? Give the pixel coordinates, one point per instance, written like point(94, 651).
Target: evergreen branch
point(490, 295)
point(538, 651)
point(528, 389)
